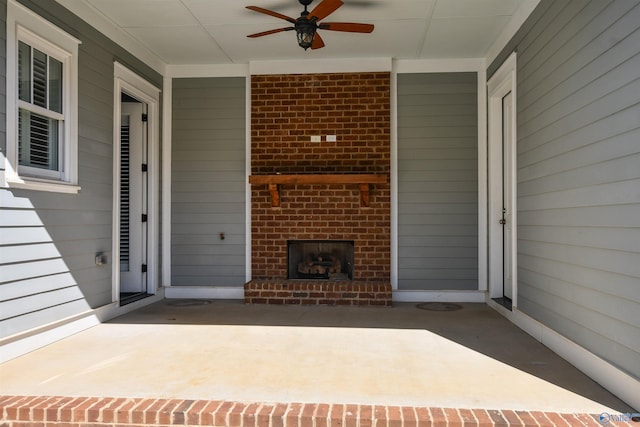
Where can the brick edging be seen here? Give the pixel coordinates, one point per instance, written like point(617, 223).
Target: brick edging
point(111, 411)
point(318, 292)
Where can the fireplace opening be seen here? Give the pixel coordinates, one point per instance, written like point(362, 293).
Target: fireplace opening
point(320, 259)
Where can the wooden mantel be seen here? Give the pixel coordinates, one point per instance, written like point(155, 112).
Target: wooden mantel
point(363, 181)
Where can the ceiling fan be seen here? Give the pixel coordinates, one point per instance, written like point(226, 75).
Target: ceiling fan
point(307, 25)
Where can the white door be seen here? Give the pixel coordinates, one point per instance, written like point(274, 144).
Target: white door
point(502, 184)
point(133, 199)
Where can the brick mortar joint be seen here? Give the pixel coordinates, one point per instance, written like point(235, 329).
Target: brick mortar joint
point(181, 411)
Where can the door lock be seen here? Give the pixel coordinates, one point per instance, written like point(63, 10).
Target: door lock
point(503, 221)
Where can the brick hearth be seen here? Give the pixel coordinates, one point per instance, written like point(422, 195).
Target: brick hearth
point(286, 110)
point(317, 292)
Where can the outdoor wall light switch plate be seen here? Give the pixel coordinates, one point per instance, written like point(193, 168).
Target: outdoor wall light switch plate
point(331, 138)
point(316, 138)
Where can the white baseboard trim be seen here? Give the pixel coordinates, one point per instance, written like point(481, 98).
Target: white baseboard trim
point(441, 296)
point(623, 385)
point(24, 343)
point(33, 339)
point(204, 292)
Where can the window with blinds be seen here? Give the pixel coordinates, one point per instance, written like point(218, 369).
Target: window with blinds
point(40, 113)
point(41, 104)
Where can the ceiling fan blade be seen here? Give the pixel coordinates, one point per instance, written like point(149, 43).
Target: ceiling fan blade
point(317, 42)
point(324, 9)
point(266, 33)
point(347, 27)
point(271, 13)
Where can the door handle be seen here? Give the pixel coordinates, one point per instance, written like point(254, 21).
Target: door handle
point(503, 221)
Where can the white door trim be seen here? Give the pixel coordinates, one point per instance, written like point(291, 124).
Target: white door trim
point(167, 114)
point(499, 85)
point(134, 85)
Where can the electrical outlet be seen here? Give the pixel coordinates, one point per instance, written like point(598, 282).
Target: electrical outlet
point(101, 259)
point(316, 138)
point(331, 138)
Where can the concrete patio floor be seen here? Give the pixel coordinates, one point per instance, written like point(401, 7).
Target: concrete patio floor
point(225, 350)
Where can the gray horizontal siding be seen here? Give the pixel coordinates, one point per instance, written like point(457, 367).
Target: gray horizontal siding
point(3, 81)
point(49, 240)
point(579, 174)
point(437, 182)
point(208, 182)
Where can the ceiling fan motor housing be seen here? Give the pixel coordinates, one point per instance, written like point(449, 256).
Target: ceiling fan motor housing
point(307, 25)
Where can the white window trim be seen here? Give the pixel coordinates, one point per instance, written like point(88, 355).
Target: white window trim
point(23, 24)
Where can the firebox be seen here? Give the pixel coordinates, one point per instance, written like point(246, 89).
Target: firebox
point(320, 259)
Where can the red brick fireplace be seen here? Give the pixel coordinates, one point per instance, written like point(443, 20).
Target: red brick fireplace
point(329, 190)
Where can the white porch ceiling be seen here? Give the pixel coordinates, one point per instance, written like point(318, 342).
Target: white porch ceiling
point(198, 32)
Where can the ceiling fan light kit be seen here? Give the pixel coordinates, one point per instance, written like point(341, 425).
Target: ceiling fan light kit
point(305, 31)
point(307, 25)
